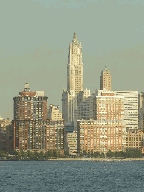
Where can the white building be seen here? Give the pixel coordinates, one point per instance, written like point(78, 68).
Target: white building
point(74, 80)
point(130, 108)
point(54, 113)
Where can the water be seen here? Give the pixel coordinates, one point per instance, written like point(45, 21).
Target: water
point(69, 176)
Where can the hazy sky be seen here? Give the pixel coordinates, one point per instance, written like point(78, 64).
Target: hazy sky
point(35, 36)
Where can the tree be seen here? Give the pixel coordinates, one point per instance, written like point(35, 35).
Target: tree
point(96, 154)
point(102, 155)
point(110, 154)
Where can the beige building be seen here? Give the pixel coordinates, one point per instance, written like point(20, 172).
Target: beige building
point(135, 140)
point(130, 107)
point(74, 80)
point(72, 143)
point(108, 131)
point(105, 80)
point(75, 67)
point(53, 113)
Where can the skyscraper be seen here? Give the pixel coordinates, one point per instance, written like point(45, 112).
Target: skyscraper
point(105, 80)
point(74, 80)
point(30, 112)
point(75, 66)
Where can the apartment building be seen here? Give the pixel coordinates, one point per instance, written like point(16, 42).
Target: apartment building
point(30, 110)
point(135, 140)
point(72, 143)
point(101, 135)
point(55, 135)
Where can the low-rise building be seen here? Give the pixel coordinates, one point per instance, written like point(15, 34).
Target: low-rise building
point(135, 140)
point(101, 135)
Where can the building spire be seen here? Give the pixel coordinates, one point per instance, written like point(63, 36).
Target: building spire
point(75, 40)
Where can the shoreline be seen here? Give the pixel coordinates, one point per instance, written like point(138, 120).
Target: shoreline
point(96, 159)
point(83, 159)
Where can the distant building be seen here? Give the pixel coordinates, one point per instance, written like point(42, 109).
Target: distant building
point(30, 110)
point(5, 135)
point(55, 135)
point(108, 131)
point(105, 80)
point(72, 143)
point(53, 113)
point(74, 80)
point(30, 105)
point(130, 108)
point(135, 140)
point(141, 112)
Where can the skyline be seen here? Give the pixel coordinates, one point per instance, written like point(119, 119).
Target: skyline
point(123, 36)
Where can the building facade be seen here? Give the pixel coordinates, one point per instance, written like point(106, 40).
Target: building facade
point(54, 113)
point(130, 108)
point(105, 80)
point(72, 143)
point(141, 111)
point(55, 135)
point(75, 67)
point(100, 135)
point(6, 134)
point(74, 80)
point(135, 140)
point(30, 110)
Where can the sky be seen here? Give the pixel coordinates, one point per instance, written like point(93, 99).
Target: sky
point(35, 37)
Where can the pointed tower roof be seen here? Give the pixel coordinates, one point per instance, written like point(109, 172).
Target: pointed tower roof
point(75, 40)
point(105, 69)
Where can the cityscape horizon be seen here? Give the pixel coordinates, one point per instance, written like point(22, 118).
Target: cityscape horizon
point(30, 48)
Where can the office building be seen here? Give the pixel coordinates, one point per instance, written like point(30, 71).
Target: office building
point(74, 80)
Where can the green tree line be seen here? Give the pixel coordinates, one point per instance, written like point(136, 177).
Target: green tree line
point(129, 153)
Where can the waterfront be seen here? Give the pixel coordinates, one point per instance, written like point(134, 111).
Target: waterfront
point(68, 176)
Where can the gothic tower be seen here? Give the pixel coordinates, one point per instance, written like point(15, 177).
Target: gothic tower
point(74, 80)
point(75, 67)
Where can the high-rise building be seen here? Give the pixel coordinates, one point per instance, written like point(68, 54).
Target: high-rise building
point(74, 80)
point(30, 105)
point(75, 67)
point(130, 108)
point(30, 110)
point(5, 135)
point(105, 80)
point(55, 135)
point(86, 105)
point(108, 131)
point(54, 113)
point(141, 112)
